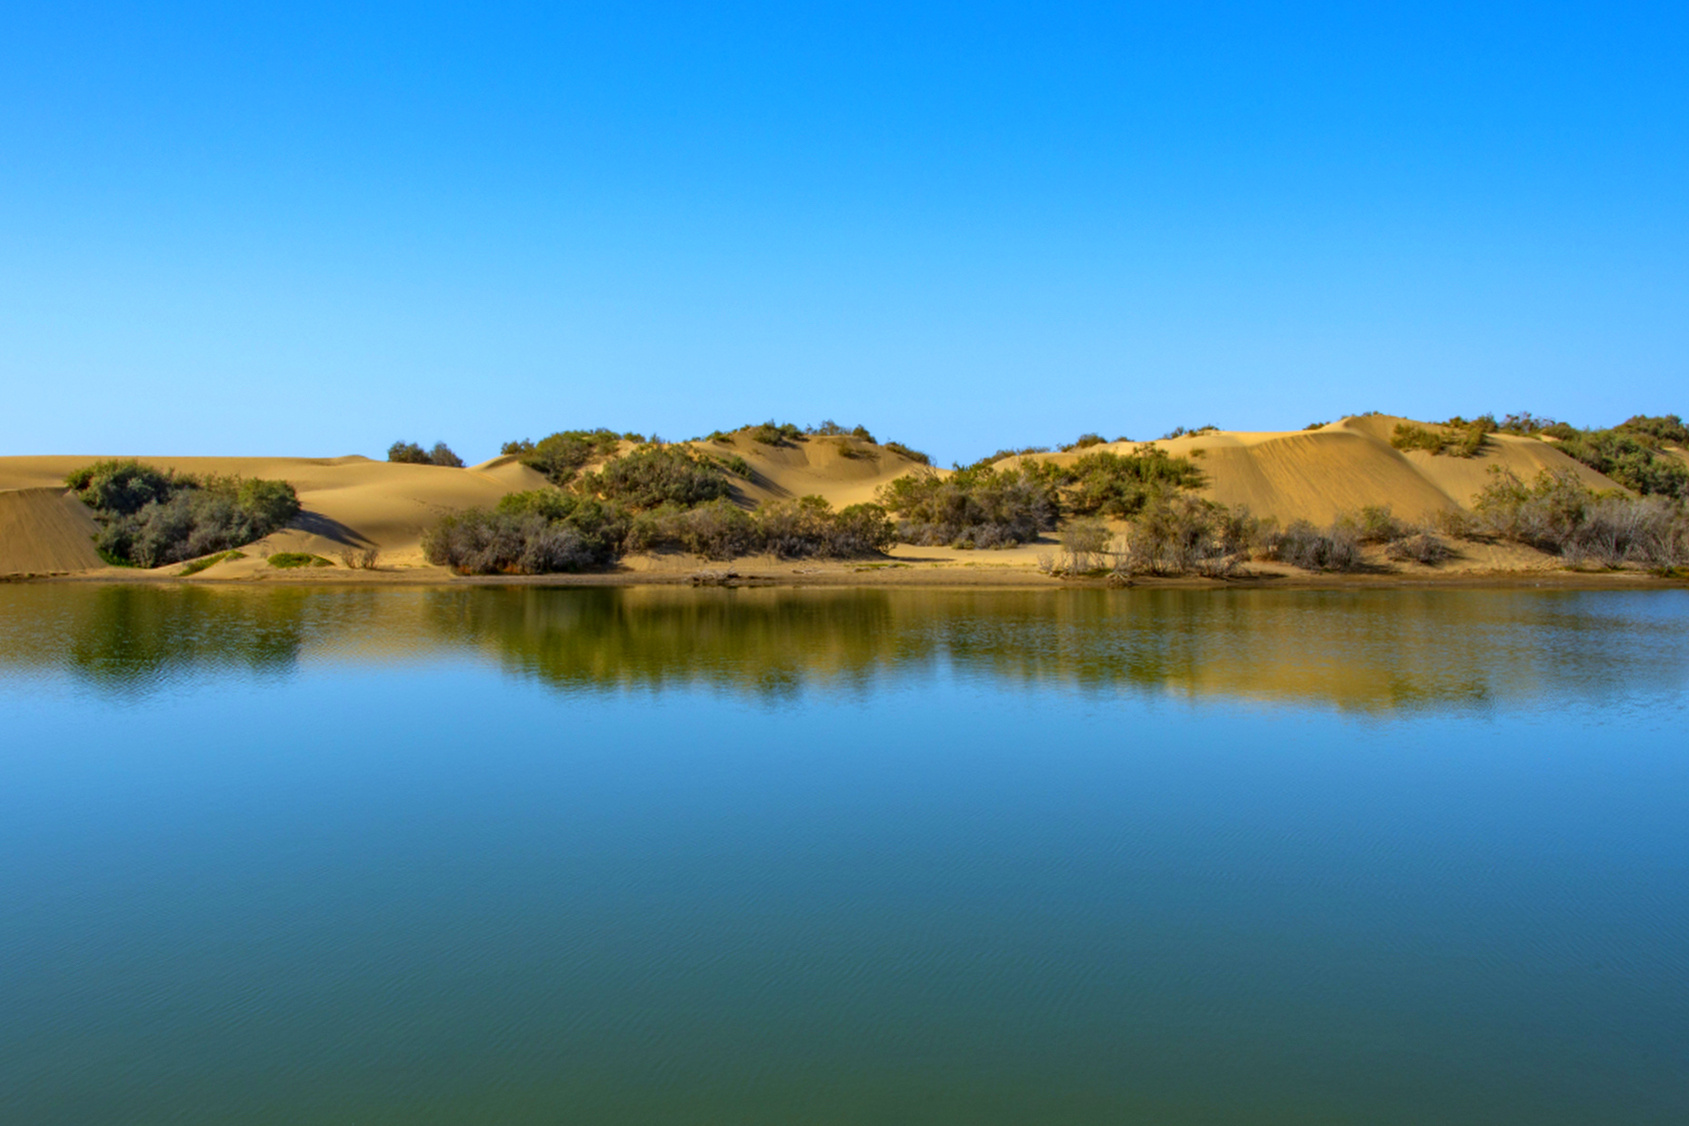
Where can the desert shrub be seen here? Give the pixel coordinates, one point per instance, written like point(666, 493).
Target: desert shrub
point(1459, 524)
point(149, 518)
point(407, 453)
point(860, 529)
point(654, 477)
point(863, 433)
point(1001, 454)
point(1111, 484)
point(980, 506)
point(1455, 438)
point(1543, 514)
point(802, 529)
point(809, 527)
point(1556, 514)
point(194, 567)
point(1662, 429)
point(1187, 432)
point(1083, 442)
point(410, 453)
point(362, 558)
point(291, 560)
point(1316, 425)
point(1302, 545)
point(1615, 530)
point(1084, 543)
point(121, 488)
point(773, 433)
point(561, 456)
point(717, 530)
point(1420, 547)
point(1524, 423)
point(904, 451)
point(733, 463)
point(1177, 534)
point(1377, 524)
point(848, 449)
point(1634, 462)
point(485, 542)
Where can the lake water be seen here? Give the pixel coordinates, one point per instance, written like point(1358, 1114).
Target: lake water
point(673, 856)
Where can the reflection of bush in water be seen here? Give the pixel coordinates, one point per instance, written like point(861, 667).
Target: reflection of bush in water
point(133, 635)
point(765, 640)
point(1358, 650)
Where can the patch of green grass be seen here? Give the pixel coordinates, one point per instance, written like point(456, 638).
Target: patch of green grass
point(287, 560)
point(195, 566)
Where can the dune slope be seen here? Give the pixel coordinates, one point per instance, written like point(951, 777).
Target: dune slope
point(353, 501)
point(45, 530)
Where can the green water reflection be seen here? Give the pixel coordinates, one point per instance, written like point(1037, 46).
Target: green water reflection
point(1364, 650)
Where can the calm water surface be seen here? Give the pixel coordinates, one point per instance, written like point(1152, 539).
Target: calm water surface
point(655, 856)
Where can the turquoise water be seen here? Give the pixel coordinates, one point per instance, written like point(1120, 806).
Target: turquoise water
point(651, 856)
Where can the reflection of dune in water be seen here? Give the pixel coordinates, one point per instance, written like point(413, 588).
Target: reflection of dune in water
point(1359, 650)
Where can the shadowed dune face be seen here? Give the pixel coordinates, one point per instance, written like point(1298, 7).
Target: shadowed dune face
point(45, 531)
point(353, 501)
point(1361, 651)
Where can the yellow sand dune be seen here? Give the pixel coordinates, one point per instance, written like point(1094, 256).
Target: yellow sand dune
point(44, 531)
point(842, 469)
point(1344, 466)
point(353, 501)
point(347, 501)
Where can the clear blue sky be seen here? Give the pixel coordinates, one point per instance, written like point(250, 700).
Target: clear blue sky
point(308, 231)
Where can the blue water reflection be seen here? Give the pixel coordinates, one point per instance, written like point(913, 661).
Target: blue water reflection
point(647, 856)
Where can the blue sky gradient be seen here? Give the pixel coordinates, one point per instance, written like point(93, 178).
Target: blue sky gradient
point(310, 231)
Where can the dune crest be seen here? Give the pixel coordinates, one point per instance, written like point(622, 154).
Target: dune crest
point(355, 502)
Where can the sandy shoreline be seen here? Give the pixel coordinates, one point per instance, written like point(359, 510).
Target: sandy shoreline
point(889, 576)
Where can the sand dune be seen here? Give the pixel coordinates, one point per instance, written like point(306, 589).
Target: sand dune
point(45, 531)
point(354, 501)
point(1317, 474)
point(844, 470)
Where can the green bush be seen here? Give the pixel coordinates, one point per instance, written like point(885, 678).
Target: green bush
point(1455, 438)
point(980, 506)
point(1420, 547)
point(484, 542)
point(1303, 545)
point(148, 518)
point(1178, 534)
point(735, 464)
point(653, 477)
point(1377, 524)
point(196, 566)
point(561, 456)
point(904, 451)
point(1001, 455)
point(1556, 514)
point(1634, 462)
point(289, 560)
point(1111, 484)
point(1661, 429)
point(412, 454)
point(1084, 442)
point(771, 433)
